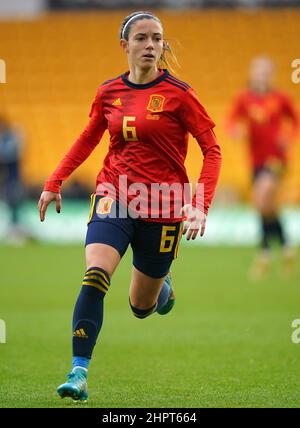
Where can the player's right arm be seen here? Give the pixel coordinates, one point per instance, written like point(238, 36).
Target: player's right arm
point(77, 154)
point(45, 199)
point(236, 118)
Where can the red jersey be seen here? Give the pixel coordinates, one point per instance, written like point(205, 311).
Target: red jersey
point(265, 115)
point(148, 126)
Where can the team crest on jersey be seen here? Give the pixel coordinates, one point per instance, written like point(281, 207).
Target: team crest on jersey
point(156, 103)
point(104, 205)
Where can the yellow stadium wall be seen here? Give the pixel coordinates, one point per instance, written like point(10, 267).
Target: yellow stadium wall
point(55, 64)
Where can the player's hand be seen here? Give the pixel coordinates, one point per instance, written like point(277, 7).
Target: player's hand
point(195, 220)
point(45, 199)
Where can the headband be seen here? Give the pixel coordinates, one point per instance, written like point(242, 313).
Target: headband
point(133, 17)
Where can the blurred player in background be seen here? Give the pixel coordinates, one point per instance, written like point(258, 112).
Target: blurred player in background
point(268, 119)
point(148, 113)
point(11, 186)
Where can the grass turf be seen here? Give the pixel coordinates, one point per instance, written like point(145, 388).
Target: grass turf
point(227, 343)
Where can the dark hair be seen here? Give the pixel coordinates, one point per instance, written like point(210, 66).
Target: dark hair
point(133, 17)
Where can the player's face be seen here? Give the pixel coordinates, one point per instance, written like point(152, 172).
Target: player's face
point(145, 43)
point(261, 74)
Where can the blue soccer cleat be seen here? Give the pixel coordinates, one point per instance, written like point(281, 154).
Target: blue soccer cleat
point(76, 387)
point(171, 300)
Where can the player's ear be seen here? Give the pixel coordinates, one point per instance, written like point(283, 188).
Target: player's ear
point(124, 45)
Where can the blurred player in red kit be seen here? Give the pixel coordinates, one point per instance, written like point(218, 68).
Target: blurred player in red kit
point(268, 119)
point(148, 114)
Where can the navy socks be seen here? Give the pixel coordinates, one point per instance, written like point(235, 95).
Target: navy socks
point(272, 229)
point(88, 315)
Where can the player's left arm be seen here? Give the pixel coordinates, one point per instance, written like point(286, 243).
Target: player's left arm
point(200, 125)
point(290, 112)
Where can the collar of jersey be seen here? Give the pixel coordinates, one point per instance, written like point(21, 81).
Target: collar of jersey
point(145, 85)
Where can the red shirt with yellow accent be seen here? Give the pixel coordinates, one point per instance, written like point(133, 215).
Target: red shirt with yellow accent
point(148, 126)
point(265, 116)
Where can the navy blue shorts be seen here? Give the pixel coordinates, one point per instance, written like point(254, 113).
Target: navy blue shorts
point(154, 245)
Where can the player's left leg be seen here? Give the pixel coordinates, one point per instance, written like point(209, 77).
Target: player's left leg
point(148, 295)
point(154, 247)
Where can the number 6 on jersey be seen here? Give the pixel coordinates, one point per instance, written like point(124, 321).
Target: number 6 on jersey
point(129, 129)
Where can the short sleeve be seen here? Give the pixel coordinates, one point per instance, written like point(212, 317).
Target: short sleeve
point(193, 115)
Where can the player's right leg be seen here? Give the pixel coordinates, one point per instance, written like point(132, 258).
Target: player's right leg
point(265, 194)
point(106, 242)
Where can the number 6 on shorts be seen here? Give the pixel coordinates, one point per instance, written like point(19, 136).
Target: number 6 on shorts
point(167, 240)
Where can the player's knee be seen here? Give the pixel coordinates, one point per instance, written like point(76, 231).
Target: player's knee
point(102, 255)
point(97, 278)
point(266, 185)
point(142, 313)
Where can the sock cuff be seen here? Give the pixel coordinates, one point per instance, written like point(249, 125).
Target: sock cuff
point(142, 313)
point(100, 270)
point(97, 278)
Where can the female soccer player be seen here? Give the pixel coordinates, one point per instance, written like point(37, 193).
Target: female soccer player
point(264, 111)
point(148, 114)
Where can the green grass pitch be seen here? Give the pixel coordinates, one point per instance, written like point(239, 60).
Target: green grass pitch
point(227, 343)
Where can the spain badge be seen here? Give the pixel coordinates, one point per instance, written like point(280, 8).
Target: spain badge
point(156, 103)
point(104, 205)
